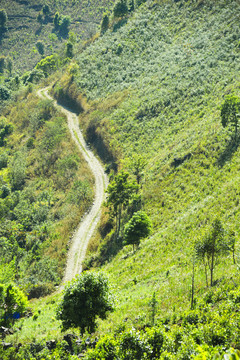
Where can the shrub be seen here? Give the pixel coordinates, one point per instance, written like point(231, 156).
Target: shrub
point(3, 160)
point(230, 112)
point(155, 338)
point(131, 5)
point(46, 9)
point(133, 346)
point(48, 64)
point(106, 348)
point(2, 64)
point(35, 76)
point(69, 50)
point(140, 2)
point(5, 130)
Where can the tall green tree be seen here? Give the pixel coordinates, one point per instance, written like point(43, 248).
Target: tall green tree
point(69, 50)
point(119, 192)
point(230, 113)
point(120, 9)
point(46, 9)
point(2, 63)
point(56, 20)
point(136, 166)
point(104, 23)
point(85, 299)
point(131, 5)
point(3, 19)
point(65, 22)
point(210, 249)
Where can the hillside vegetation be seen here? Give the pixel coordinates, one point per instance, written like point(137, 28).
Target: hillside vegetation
point(46, 187)
point(154, 85)
point(149, 92)
point(25, 29)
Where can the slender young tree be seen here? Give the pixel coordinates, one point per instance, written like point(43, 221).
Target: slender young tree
point(210, 249)
point(104, 23)
point(3, 19)
point(193, 280)
point(119, 192)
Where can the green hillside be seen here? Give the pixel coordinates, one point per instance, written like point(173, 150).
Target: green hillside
point(150, 91)
point(24, 30)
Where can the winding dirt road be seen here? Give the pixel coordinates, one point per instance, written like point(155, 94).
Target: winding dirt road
point(85, 229)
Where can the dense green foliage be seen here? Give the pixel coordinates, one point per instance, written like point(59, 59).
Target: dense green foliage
point(138, 227)
point(12, 302)
point(120, 8)
point(85, 299)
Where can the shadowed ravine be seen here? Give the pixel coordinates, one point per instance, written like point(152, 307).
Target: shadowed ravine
point(86, 227)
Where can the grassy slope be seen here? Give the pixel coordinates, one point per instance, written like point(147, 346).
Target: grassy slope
point(24, 30)
point(154, 87)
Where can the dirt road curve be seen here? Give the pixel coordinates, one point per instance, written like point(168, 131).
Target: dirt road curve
point(88, 224)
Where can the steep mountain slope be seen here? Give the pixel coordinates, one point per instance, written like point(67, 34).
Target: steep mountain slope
point(154, 83)
point(150, 88)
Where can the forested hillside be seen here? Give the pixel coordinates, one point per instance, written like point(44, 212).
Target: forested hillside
point(158, 97)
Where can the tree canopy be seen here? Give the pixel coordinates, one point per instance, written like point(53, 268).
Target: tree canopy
point(120, 191)
point(3, 18)
point(137, 228)
point(120, 9)
point(13, 303)
point(230, 112)
point(85, 299)
point(104, 23)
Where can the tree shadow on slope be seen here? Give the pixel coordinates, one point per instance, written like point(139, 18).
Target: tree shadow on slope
point(119, 24)
point(229, 151)
point(109, 248)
